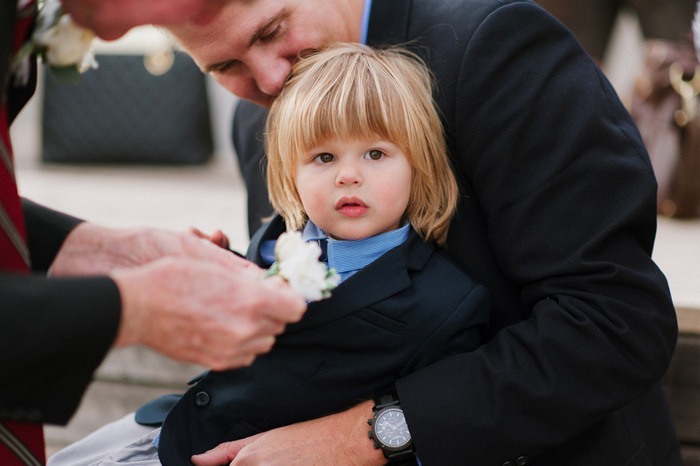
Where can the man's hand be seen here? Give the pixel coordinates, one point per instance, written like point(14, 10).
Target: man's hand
point(182, 295)
point(190, 310)
point(95, 250)
point(339, 439)
point(111, 19)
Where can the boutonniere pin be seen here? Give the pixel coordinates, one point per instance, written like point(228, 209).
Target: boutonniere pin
point(297, 262)
point(60, 43)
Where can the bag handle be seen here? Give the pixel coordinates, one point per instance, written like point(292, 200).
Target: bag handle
point(688, 91)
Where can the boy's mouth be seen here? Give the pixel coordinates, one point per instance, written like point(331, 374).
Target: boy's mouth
point(351, 206)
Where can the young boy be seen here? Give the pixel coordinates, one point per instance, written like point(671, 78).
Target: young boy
point(357, 161)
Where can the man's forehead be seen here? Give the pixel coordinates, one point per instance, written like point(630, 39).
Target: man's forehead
point(239, 20)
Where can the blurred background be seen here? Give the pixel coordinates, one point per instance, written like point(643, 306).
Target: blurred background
point(208, 193)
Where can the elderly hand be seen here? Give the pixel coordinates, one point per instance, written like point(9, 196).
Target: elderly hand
point(95, 250)
point(111, 19)
point(182, 295)
point(201, 312)
point(315, 442)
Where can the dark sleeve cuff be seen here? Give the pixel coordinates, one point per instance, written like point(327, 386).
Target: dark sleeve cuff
point(46, 231)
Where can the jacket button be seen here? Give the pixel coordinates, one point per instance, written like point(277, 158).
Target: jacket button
point(201, 399)
point(522, 461)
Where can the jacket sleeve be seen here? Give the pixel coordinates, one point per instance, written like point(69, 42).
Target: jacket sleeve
point(47, 229)
point(54, 332)
point(567, 195)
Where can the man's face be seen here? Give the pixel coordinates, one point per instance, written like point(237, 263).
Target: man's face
point(250, 47)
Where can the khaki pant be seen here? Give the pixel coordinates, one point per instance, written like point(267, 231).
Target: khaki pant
point(122, 442)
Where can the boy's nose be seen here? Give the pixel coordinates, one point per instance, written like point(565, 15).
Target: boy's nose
point(348, 174)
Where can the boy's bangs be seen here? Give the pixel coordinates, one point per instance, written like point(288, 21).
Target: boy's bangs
point(351, 105)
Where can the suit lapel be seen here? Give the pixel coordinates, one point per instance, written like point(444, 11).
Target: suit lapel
point(382, 278)
point(269, 231)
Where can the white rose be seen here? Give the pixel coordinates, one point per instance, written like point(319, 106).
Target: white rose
point(66, 43)
point(297, 262)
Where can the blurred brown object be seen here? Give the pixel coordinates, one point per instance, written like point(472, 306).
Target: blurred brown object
point(592, 21)
point(665, 107)
point(664, 103)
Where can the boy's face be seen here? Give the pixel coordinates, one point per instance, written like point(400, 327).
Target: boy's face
point(355, 188)
point(251, 45)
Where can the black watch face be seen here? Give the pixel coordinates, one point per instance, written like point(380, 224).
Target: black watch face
point(391, 429)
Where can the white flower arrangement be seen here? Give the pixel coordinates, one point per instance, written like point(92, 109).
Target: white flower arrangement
point(297, 262)
point(63, 45)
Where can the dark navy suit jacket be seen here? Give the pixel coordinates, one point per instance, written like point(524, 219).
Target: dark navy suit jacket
point(407, 309)
point(558, 221)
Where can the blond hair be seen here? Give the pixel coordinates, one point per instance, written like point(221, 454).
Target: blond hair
point(348, 91)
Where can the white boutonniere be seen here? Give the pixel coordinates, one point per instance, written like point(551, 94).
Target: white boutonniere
point(297, 262)
point(60, 43)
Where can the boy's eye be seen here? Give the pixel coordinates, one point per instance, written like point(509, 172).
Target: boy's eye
point(324, 158)
point(374, 154)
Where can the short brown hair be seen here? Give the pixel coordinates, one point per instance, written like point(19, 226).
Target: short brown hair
point(351, 90)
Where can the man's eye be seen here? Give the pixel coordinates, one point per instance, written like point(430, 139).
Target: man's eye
point(268, 36)
point(374, 154)
point(221, 68)
point(324, 158)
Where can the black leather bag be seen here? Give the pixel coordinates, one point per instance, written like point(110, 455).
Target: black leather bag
point(132, 109)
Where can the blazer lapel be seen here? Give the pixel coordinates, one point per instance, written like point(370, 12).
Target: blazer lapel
point(382, 278)
point(268, 231)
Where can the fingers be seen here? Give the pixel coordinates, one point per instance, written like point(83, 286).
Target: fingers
point(222, 454)
point(245, 356)
point(283, 303)
point(200, 312)
point(218, 237)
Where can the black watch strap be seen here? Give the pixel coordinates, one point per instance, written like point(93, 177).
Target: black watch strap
point(404, 457)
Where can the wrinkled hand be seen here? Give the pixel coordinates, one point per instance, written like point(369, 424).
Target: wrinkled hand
point(339, 439)
point(182, 295)
point(95, 250)
point(111, 19)
point(190, 310)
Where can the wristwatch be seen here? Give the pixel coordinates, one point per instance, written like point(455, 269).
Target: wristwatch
point(390, 431)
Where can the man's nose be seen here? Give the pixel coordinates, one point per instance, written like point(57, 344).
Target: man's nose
point(271, 75)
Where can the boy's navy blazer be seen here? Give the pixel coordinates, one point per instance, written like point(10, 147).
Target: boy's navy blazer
point(407, 309)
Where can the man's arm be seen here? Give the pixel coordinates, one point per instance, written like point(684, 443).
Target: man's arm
point(55, 334)
point(558, 176)
point(338, 439)
point(176, 293)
